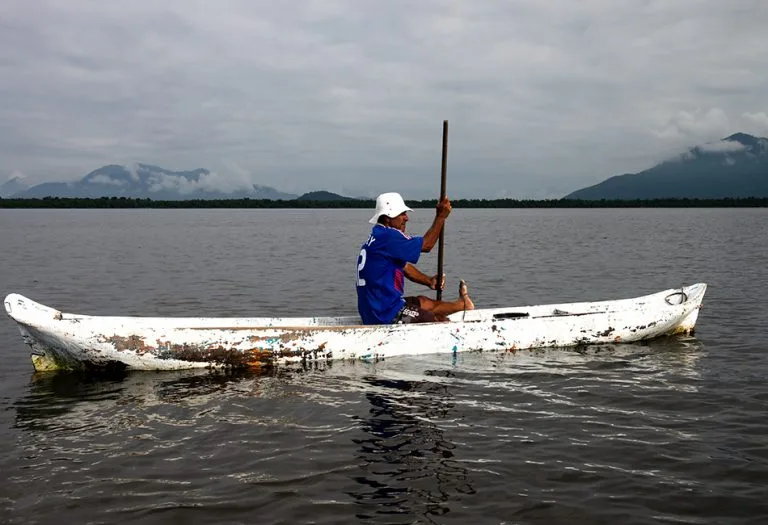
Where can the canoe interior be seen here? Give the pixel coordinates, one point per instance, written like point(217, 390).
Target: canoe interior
point(672, 296)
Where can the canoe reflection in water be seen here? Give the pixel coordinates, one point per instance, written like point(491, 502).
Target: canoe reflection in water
point(410, 467)
point(69, 400)
point(413, 440)
point(282, 442)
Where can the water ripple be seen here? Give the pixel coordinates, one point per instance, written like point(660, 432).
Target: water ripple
point(671, 432)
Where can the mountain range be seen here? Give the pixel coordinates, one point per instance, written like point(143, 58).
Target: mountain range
point(144, 181)
point(734, 167)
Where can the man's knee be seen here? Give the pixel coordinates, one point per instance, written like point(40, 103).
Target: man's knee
point(427, 304)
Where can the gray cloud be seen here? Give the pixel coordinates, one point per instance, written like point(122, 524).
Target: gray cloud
point(722, 147)
point(349, 95)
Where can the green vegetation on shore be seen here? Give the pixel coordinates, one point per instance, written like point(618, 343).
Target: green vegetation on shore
point(123, 202)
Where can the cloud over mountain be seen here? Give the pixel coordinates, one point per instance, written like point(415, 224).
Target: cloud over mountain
point(15, 184)
point(734, 167)
point(147, 181)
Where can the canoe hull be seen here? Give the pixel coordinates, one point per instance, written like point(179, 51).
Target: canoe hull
point(70, 341)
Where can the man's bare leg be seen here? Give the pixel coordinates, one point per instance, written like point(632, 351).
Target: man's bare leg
point(442, 309)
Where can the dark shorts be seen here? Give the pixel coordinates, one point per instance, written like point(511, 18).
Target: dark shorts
point(413, 313)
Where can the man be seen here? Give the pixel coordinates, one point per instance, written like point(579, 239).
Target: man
point(388, 256)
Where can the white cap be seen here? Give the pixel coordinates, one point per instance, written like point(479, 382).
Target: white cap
point(389, 204)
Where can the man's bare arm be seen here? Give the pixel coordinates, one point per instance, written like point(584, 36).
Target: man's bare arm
point(433, 233)
point(417, 276)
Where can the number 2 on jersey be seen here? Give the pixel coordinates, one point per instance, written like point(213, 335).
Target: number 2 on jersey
point(360, 265)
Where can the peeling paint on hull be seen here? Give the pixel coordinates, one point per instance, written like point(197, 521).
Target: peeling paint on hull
point(69, 341)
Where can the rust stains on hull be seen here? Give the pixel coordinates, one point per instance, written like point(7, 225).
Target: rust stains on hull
point(218, 355)
point(132, 343)
point(265, 350)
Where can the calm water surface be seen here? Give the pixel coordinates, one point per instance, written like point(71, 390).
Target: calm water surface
point(675, 431)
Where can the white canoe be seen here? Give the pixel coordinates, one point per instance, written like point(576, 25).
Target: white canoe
point(69, 341)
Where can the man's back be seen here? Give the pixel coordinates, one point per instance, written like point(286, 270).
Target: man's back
point(380, 279)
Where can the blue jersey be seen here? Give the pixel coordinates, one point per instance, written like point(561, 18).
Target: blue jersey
point(380, 278)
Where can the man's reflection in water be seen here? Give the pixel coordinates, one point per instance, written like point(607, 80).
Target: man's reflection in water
point(409, 467)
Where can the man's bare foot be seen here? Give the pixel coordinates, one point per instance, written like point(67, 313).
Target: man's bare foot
point(468, 304)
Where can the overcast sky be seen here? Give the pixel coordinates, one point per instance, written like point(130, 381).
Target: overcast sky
point(543, 96)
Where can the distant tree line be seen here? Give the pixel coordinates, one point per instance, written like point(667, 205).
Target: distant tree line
point(125, 202)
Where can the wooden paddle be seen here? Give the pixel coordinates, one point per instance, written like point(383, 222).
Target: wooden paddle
point(441, 242)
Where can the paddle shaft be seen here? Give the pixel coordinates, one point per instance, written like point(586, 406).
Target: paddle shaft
point(441, 242)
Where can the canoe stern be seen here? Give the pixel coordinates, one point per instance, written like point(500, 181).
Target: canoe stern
point(693, 296)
